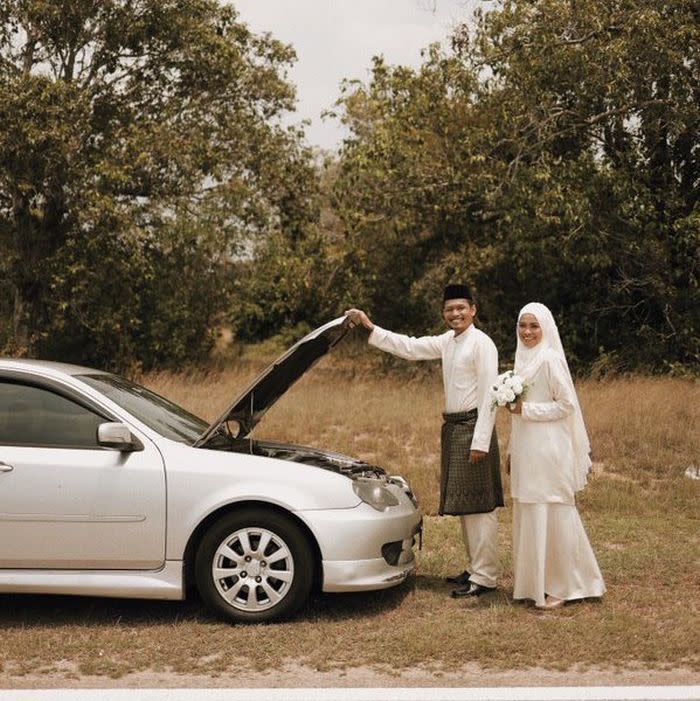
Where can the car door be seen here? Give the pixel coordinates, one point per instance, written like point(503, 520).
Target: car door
point(65, 501)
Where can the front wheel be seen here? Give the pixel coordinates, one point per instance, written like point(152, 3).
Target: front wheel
point(254, 565)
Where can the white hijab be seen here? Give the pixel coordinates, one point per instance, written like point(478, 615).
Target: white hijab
point(527, 364)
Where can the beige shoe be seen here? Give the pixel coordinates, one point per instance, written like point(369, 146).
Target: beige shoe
point(551, 602)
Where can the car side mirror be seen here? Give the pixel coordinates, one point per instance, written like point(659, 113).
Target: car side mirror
point(117, 436)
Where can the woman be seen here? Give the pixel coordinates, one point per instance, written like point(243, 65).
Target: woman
point(549, 462)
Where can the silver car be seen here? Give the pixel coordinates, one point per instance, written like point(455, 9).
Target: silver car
point(107, 489)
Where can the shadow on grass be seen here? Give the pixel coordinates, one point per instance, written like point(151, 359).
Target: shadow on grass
point(327, 607)
point(355, 605)
point(38, 611)
point(51, 611)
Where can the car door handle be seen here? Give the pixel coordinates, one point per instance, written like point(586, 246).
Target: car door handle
point(4, 467)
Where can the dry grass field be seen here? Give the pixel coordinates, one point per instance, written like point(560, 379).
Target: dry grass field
point(640, 510)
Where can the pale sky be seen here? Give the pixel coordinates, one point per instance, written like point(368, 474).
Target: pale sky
point(336, 39)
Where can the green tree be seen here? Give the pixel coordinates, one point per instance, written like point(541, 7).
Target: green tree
point(606, 100)
point(140, 155)
point(299, 276)
point(552, 154)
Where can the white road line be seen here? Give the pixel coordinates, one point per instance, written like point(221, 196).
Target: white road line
point(541, 693)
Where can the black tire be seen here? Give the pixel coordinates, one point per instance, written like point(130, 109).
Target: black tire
point(281, 572)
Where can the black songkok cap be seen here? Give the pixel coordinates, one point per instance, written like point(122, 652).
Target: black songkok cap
point(457, 292)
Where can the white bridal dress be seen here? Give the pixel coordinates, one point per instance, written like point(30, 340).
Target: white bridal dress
point(551, 551)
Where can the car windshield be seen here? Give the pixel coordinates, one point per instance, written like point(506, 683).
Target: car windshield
point(158, 413)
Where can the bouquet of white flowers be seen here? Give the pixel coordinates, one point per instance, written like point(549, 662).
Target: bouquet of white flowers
point(507, 389)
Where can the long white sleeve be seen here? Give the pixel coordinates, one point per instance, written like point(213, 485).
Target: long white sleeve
point(486, 361)
point(562, 403)
point(407, 347)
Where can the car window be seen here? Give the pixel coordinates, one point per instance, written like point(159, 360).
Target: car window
point(158, 413)
point(37, 416)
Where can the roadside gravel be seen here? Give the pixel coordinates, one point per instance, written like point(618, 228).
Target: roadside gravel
point(294, 676)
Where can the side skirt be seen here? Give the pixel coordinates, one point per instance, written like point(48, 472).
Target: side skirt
point(165, 583)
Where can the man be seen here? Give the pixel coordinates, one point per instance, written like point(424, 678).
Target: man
point(470, 483)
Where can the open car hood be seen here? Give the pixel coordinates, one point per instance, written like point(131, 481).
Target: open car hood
point(249, 407)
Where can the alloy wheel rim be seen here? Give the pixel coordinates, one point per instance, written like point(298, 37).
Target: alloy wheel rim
point(253, 569)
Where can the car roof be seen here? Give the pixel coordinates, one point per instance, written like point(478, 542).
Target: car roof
point(46, 367)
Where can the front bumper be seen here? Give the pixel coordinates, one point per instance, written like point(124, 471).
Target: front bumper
point(365, 549)
point(364, 575)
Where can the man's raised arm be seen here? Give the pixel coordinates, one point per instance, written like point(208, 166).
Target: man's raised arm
point(407, 347)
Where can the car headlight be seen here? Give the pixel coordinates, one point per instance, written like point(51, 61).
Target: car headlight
point(372, 492)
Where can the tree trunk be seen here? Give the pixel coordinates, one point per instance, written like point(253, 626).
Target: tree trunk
point(25, 274)
point(20, 328)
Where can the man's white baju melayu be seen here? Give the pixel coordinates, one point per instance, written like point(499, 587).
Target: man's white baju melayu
point(549, 453)
point(469, 367)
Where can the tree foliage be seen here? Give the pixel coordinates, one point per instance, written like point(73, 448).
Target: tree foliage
point(552, 154)
point(140, 154)
point(147, 189)
point(297, 277)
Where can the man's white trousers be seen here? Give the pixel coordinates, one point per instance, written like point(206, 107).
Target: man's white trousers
point(480, 533)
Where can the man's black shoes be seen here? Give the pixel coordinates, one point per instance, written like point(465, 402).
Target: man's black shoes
point(471, 589)
point(461, 579)
point(466, 587)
